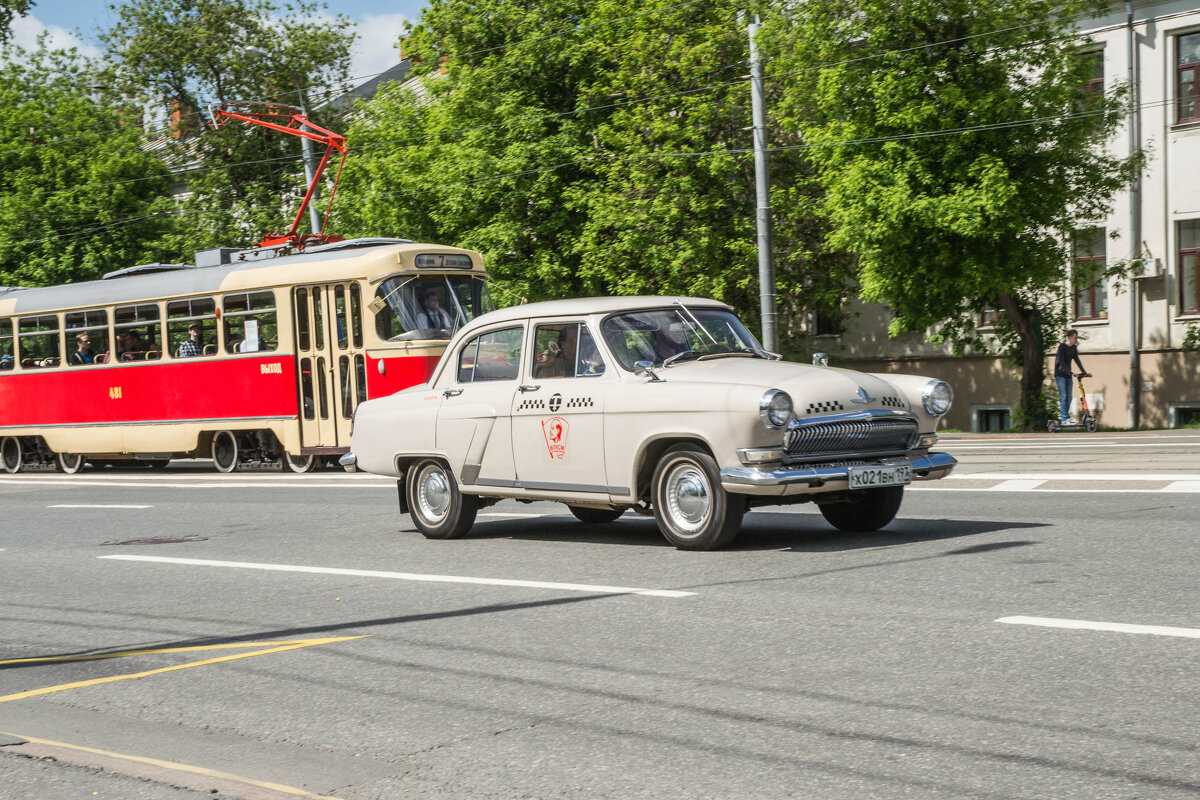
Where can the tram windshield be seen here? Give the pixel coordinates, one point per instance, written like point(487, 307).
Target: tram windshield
point(408, 308)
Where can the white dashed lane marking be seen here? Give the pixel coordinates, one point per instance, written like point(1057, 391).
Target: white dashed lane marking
point(1113, 627)
point(406, 576)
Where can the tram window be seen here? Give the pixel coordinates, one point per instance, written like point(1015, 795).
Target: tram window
point(181, 316)
point(302, 330)
point(8, 353)
point(38, 341)
point(405, 313)
point(139, 333)
point(360, 368)
point(346, 386)
point(318, 320)
point(250, 322)
point(356, 314)
point(339, 311)
point(89, 328)
point(306, 388)
point(321, 384)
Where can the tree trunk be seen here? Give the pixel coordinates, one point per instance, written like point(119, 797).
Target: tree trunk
point(1033, 367)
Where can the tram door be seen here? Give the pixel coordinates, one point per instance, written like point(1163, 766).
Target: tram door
point(330, 365)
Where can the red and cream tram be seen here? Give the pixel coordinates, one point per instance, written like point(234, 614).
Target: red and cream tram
point(241, 358)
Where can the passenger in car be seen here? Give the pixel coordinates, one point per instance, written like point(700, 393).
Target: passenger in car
point(558, 359)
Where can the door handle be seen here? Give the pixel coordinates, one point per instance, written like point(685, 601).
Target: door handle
point(452, 392)
point(529, 387)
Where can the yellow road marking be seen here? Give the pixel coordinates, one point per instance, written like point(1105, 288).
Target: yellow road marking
point(154, 762)
point(272, 647)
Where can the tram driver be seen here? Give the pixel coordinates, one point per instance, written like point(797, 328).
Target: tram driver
point(432, 317)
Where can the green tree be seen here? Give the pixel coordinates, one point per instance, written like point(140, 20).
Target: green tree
point(78, 195)
point(180, 56)
point(959, 150)
point(8, 10)
point(587, 151)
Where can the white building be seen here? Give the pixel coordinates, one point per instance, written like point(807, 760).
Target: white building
point(1125, 336)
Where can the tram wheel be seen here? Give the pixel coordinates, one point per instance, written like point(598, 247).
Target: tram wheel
point(68, 463)
point(225, 454)
point(11, 457)
point(298, 464)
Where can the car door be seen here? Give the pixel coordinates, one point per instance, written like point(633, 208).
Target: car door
point(473, 424)
point(558, 411)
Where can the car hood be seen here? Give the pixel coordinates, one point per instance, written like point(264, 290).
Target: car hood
point(813, 389)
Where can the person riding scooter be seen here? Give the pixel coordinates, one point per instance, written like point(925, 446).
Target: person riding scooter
point(1068, 351)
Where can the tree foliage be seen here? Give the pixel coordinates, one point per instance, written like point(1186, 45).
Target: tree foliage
point(958, 151)
point(180, 56)
point(78, 196)
point(8, 10)
point(592, 151)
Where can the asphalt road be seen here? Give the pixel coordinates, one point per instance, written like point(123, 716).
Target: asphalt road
point(1025, 629)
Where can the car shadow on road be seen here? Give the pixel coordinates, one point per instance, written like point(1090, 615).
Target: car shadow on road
point(762, 531)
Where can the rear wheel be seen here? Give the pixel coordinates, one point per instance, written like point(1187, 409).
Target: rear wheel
point(69, 463)
point(437, 507)
point(595, 516)
point(692, 510)
point(1053, 425)
point(10, 454)
point(865, 510)
point(225, 454)
point(298, 464)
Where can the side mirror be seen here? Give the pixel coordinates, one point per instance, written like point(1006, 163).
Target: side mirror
point(645, 368)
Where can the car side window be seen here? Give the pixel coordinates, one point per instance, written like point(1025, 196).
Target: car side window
point(565, 350)
point(492, 356)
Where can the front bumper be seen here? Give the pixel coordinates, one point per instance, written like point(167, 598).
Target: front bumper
point(349, 462)
point(780, 481)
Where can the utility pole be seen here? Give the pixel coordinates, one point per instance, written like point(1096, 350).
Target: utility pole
point(1135, 226)
point(762, 187)
point(306, 152)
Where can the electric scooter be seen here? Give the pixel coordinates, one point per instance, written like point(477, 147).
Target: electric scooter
point(1086, 421)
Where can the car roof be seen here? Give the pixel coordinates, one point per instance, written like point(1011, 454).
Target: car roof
point(585, 306)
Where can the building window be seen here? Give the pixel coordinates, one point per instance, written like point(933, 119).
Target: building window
point(827, 320)
point(1095, 80)
point(989, 317)
point(1189, 267)
point(1187, 73)
point(1088, 281)
point(987, 419)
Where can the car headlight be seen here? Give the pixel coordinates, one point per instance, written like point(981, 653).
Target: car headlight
point(937, 397)
point(775, 408)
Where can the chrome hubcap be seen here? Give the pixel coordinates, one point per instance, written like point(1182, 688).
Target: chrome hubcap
point(688, 497)
point(433, 494)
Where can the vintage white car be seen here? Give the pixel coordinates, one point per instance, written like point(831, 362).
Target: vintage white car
point(666, 406)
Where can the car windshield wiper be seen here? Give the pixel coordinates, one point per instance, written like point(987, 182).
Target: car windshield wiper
point(686, 354)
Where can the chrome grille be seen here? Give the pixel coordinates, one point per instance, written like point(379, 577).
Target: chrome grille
point(861, 434)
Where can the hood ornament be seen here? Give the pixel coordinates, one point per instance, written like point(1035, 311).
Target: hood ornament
point(863, 397)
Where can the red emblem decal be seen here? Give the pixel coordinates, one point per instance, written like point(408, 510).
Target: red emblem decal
point(555, 430)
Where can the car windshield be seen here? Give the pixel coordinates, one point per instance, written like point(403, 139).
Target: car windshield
point(659, 334)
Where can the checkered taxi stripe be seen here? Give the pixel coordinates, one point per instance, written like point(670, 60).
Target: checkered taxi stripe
point(580, 402)
point(825, 408)
point(528, 404)
point(891, 402)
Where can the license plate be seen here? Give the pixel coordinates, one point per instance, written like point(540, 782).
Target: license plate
point(873, 477)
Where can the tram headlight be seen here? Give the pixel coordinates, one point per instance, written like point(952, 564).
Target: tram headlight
point(775, 408)
point(937, 397)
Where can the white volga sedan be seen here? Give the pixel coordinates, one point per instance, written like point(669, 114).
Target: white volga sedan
point(665, 406)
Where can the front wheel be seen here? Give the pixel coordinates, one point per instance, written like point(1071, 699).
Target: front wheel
point(865, 509)
point(225, 451)
point(437, 507)
point(595, 516)
point(11, 457)
point(68, 463)
point(692, 509)
point(1091, 425)
point(1053, 425)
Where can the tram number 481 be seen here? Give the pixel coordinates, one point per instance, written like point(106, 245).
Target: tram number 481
point(114, 393)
